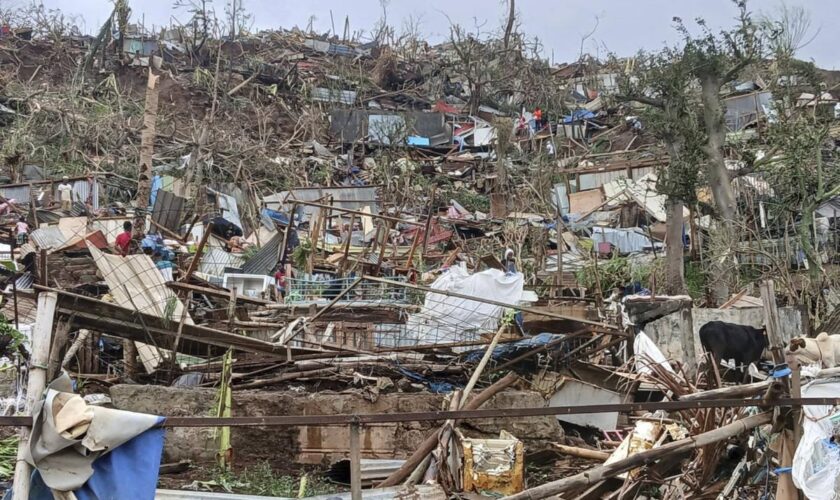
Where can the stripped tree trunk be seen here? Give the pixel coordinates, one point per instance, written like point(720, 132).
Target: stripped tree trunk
point(147, 149)
point(719, 183)
point(674, 265)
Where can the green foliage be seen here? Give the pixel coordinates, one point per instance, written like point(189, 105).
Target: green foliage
point(300, 256)
point(261, 479)
point(695, 280)
point(8, 457)
point(7, 330)
point(613, 273)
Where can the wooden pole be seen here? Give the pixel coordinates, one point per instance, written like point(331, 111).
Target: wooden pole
point(735, 391)
point(597, 474)
point(771, 320)
point(429, 444)
point(41, 334)
point(198, 251)
point(147, 146)
point(383, 245)
point(343, 265)
point(355, 463)
point(59, 340)
point(281, 252)
point(574, 451)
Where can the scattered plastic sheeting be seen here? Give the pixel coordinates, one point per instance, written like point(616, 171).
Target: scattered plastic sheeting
point(436, 387)
point(648, 354)
point(816, 464)
point(511, 349)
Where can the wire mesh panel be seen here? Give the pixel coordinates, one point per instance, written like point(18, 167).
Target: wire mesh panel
point(322, 288)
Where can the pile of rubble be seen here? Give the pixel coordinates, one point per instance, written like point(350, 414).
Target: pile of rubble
point(378, 237)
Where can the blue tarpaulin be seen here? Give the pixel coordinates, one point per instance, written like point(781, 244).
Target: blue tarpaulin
point(128, 471)
point(511, 349)
point(276, 216)
point(578, 115)
point(434, 386)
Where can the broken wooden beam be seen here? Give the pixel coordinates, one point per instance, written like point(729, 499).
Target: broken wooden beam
point(575, 451)
point(117, 321)
point(431, 440)
point(598, 474)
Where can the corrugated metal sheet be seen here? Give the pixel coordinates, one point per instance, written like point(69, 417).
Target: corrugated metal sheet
point(25, 281)
point(168, 210)
point(216, 260)
point(84, 191)
point(48, 237)
point(19, 194)
point(323, 94)
point(228, 207)
point(264, 261)
point(351, 198)
point(112, 226)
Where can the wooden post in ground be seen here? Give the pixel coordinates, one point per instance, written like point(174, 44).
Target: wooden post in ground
point(198, 251)
point(771, 321)
point(147, 148)
point(355, 462)
point(41, 334)
point(689, 360)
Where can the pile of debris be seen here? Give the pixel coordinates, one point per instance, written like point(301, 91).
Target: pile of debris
point(351, 241)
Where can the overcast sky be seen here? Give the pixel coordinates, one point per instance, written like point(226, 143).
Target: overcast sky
point(623, 26)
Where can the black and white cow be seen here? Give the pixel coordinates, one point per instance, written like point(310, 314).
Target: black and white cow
point(741, 343)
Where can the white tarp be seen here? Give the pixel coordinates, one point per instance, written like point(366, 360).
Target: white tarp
point(648, 354)
point(445, 319)
point(816, 465)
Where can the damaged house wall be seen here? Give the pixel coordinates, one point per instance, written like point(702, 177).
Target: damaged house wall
point(666, 332)
point(316, 444)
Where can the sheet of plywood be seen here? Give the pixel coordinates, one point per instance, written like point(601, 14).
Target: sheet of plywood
point(584, 201)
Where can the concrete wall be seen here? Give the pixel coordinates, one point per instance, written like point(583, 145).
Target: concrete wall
point(314, 444)
point(665, 331)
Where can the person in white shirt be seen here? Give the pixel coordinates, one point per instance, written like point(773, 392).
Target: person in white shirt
point(65, 191)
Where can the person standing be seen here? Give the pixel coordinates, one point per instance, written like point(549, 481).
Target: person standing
point(22, 230)
point(123, 242)
point(65, 194)
point(280, 282)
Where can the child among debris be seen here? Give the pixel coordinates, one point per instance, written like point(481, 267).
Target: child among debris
point(164, 265)
point(22, 229)
point(280, 282)
point(123, 243)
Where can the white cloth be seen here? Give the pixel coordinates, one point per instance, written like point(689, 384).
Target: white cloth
point(68, 435)
point(445, 319)
point(816, 470)
point(647, 354)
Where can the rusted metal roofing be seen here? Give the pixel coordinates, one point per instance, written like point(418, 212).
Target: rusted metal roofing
point(349, 197)
point(48, 237)
point(168, 210)
point(265, 259)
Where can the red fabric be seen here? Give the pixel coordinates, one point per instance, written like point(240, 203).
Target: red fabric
point(123, 241)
